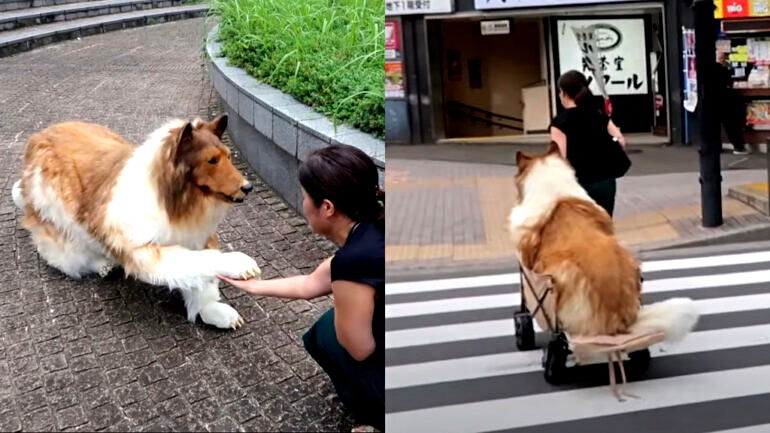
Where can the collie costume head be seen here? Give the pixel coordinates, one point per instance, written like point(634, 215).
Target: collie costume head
point(547, 175)
point(196, 164)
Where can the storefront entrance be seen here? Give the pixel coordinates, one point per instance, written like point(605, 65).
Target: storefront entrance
point(486, 78)
point(496, 76)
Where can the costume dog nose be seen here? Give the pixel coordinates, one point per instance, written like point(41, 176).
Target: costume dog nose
point(247, 188)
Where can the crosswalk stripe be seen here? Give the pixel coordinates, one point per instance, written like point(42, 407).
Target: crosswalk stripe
point(451, 283)
point(594, 401)
point(705, 281)
point(513, 278)
point(450, 305)
point(496, 328)
point(706, 262)
point(763, 428)
point(452, 365)
point(522, 362)
point(447, 333)
point(482, 302)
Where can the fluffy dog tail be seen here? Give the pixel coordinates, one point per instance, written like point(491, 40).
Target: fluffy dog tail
point(674, 317)
point(16, 194)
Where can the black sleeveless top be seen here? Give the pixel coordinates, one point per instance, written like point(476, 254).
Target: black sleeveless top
point(587, 138)
point(362, 260)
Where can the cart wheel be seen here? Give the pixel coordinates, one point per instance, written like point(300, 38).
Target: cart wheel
point(639, 360)
point(525, 331)
point(555, 360)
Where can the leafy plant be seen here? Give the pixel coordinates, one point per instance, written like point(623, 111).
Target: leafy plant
point(328, 54)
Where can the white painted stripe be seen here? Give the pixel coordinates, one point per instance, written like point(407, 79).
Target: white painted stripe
point(584, 403)
point(501, 364)
point(762, 428)
point(733, 304)
point(451, 284)
point(706, 262)
point(452, 370)
point(513, 278)
point(447, 333)
point(706, 281)
point(450, 305)
point(497, 328)
point(470, 303)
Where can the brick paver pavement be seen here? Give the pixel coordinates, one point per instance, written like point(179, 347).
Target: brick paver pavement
point(117, 354)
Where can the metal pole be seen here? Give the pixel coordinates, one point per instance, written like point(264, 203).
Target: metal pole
point(709, 124)
point(767, 153)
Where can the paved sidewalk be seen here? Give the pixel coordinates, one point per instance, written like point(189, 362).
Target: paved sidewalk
point(451, 215)
point(119, 355)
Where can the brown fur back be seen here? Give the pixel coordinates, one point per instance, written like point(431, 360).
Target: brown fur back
point(597, 280)
point(81, 161)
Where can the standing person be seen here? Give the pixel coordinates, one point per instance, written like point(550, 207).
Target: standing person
point(579, 131)
point(732, 110)
point(342, 201)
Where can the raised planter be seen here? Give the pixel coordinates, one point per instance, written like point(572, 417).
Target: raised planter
point(274, 131)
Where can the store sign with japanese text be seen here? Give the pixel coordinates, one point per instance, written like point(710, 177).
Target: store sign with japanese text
point(411, 7)
point(392, 40)
point(394, 76)
point(394, 80)
point(511, 4)
point(610, 48)
point(727, 9)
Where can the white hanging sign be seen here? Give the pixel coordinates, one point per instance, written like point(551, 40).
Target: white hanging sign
point(618, 53)
point(511, 4)
point(412, 7)
point(501, 27)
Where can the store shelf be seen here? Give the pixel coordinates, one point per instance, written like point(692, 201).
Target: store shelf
point(762, 93)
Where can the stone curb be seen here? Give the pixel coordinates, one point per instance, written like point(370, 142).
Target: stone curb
point(26, 39)
point(272, 125)
point(750, 196)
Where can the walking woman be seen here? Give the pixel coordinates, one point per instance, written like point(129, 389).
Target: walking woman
point(342, 201)
point(583, 134)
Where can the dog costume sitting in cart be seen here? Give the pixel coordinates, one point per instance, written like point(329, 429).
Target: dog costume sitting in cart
point(577, 281)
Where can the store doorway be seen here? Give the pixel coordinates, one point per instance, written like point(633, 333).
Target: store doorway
point(492, 85)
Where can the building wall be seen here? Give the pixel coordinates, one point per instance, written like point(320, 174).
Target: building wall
point(421, 96)
point(508, 63)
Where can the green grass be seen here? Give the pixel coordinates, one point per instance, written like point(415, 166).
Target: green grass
point(328, 54)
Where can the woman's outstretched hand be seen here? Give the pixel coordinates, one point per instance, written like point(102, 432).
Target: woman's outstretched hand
point(249, 285)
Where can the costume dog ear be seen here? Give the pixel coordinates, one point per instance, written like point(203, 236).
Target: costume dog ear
point(553, 148)
point(219, 125)
point(522, 160)
point(184, 141)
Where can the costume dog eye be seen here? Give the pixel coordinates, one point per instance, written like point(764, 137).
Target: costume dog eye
point(213, 160)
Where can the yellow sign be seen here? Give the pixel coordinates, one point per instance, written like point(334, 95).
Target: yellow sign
point(725, 9)
point(759, 8)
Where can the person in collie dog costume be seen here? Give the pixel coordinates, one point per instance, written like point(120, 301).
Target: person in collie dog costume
point(92, 201)
point(560, 231)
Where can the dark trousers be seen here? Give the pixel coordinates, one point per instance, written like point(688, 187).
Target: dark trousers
point(733, 117)
point(359, 384)
point(603, 193)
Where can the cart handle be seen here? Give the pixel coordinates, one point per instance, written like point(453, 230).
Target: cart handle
point(540, 299)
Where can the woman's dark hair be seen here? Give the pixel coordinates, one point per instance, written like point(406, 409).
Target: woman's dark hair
point(575, 85)
point(348, 178)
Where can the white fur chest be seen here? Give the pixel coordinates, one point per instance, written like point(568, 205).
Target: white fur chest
point(135, 211)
